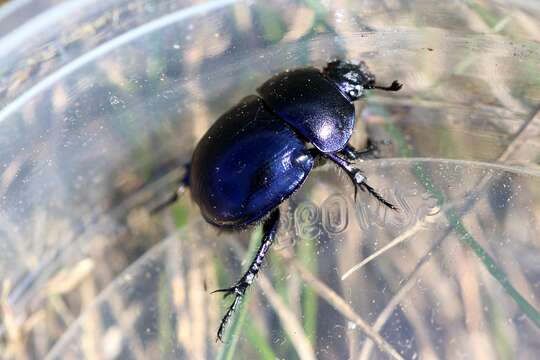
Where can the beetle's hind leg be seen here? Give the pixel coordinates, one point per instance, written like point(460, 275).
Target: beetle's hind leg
point(358, 179)
point(270, 228)
point(183, 184)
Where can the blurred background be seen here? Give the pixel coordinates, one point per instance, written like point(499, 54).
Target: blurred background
point(102, 102)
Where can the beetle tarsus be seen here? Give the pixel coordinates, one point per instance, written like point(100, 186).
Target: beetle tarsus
point(378, 196)
point(359, 180)
point(270, 228)
point(227, 318)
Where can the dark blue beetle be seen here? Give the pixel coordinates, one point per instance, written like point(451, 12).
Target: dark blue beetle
point(262, 150)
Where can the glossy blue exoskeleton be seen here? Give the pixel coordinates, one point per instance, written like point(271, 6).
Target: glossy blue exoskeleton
point(262, 150)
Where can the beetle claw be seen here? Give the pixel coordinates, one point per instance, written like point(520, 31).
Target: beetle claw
point(227, 291)
point(238, 291)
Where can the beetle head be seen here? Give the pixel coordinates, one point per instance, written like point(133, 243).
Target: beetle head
point(351, 78)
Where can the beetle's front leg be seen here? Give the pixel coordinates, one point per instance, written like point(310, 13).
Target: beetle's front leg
point(270, 228)
point(358, 179)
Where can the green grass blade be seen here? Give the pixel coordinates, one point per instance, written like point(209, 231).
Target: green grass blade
point(464, 235)
point(258, 341)
point(307, 254)
point(232, 334)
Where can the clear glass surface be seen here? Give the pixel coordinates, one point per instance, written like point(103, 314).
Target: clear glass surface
point(102, 102)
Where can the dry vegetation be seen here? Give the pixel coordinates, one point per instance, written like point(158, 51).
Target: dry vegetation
point(88, 273)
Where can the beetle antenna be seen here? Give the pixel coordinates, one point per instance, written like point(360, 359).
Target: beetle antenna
point(395, 86)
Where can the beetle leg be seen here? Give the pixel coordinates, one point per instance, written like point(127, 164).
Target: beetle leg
point(358, 179)
point(352, 154)
point(183, 184)
point(319, 159)
point(395, 86)
point(270, 228)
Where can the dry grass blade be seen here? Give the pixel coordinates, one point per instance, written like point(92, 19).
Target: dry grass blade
point(338, 303)
point(399, 239)
point(519, 139)
point(290, 322)
point(288, 319)
point(399, 295)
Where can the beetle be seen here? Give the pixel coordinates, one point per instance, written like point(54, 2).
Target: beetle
point(261, 151)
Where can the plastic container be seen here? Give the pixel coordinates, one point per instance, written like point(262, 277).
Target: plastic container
point(101, 102)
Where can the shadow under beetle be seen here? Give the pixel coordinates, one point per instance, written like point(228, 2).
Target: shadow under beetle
point(261, 151)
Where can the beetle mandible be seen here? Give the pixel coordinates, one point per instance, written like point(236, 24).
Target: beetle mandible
point(260, 152)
